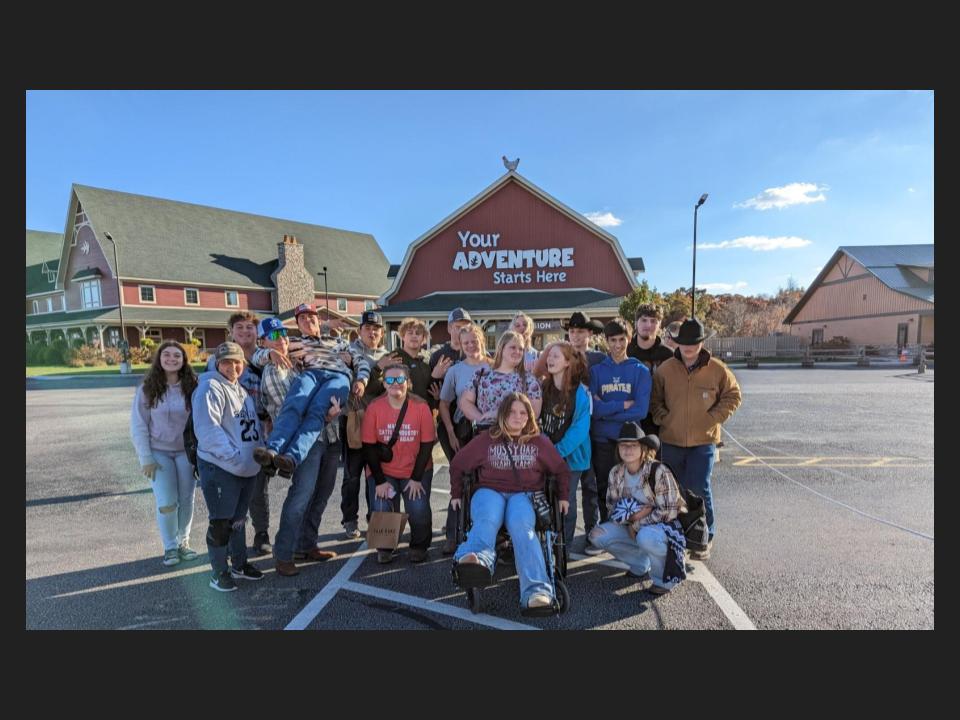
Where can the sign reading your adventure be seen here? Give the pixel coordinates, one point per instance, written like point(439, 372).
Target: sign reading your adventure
point(530, 266)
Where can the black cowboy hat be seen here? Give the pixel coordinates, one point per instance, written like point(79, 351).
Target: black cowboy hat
point(582, 320)
point(691, 332)
point(631, 432)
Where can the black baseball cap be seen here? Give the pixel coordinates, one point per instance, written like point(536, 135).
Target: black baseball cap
point(371, 317)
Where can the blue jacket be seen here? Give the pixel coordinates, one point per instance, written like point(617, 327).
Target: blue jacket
point(574, 446)
point(613, 383)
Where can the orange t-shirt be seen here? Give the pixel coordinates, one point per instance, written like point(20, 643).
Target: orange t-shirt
point(378, 423)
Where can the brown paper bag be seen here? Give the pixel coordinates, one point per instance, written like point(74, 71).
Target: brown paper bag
point(356, 408)
point(384, 529)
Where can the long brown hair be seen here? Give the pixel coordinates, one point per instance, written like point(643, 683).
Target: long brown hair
point(155, 383)
point(560, 400)
point(530, 428)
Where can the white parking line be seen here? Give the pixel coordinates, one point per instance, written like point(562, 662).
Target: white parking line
point(436, 606)
point(313, 608)
point(701, 574)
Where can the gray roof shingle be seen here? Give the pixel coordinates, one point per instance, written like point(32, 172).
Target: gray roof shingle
point(181, 242)
point(506, 302)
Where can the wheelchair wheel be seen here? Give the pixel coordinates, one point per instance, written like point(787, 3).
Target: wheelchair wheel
point(563, 595)
point(473, 598)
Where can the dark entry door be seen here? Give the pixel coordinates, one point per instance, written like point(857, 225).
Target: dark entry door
point(902, 334)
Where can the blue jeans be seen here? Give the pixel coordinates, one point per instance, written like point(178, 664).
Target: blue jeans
point(588, 490)
point(646, 553)
point(327, 479)
point(228, 498)
point(350, 489)
point(421, 516)
point(300, 496)
point(693, 467)
point(489, 510)
point(304, 411)
point(173, 487)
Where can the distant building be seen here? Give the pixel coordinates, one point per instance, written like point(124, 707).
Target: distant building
point(186, 268)
point(871, 294)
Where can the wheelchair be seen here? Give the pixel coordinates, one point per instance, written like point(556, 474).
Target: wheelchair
point(551, 542)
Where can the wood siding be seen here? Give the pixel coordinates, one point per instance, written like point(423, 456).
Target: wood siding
point(78, 260)
point(523, 221)
point(846, 300)
point(210, 298)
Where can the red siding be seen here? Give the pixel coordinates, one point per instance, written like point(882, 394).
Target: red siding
point(354, 307)
point(78, 260)
point(523, 221)
point(213, 298)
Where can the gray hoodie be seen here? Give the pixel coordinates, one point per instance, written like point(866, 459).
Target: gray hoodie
point(226, 424)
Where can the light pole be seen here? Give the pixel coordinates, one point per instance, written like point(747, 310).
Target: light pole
point(326, 297)
point(124, 345)
point(693, 288)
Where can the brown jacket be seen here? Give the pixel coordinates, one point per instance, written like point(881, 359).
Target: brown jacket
point(689, 407)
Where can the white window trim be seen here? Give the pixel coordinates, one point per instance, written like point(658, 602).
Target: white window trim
point(36, 307)
point(202, 335)
point(83, 303)
point(187, 302)
point(49, 305)
point(346, 304)
point(226, 298)
point(153, 288)
point(369, 305)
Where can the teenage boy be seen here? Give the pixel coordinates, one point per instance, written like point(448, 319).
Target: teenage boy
point(647, 347)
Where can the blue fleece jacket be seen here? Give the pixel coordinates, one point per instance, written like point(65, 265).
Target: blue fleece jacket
point(574, 446)
point(610, 384)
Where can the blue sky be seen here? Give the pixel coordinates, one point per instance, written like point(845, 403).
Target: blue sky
point(791, 175)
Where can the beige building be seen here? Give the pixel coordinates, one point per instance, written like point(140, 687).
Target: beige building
point(871, 294)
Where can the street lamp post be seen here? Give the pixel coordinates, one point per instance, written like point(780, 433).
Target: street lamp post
point(124, 345)
point(326, 297)
point(693, 287)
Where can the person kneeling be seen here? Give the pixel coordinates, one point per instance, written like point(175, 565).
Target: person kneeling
point(643, 500)
point(512, 460)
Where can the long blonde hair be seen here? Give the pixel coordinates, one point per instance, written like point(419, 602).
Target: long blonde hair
point(530, 428)
point(505, 339)
point(528, 333)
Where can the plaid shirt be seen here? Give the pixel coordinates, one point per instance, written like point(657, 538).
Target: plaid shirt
point(667, 502)
point(275, 383)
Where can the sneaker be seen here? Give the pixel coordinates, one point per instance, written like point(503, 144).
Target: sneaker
point(186, 553)
point(418, 555)
point(351, 531)
point(449, 546)
point(261, 543)
point(657, 590)
point(539, 600)
point(285, 464)
point(264, 456)
point(247, 572)
point(590, 549)
point(637, 576)
point(384, 556)
point(223, 582)
point(286, 569)
point(702, 554)
point(171, 557)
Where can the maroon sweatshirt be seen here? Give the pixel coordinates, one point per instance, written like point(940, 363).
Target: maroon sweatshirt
point(534, 460)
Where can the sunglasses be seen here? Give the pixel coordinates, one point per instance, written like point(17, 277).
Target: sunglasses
point(394, 380)
point(276, 334)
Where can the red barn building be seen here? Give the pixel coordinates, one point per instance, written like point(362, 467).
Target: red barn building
point(512, 247)
point(184, 269)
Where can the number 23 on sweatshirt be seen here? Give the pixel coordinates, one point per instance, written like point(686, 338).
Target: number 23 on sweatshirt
point(225, 422)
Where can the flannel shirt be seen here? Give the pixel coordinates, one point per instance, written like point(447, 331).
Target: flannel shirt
point(667, 502)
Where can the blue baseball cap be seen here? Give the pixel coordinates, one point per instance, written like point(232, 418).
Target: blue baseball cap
point(268, 325)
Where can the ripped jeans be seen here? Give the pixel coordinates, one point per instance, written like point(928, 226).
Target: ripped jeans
point(227, 497)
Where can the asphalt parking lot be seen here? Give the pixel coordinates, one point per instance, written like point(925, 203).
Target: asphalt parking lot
point(824, 496)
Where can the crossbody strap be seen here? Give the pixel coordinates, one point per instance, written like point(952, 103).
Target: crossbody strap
point(396, 428)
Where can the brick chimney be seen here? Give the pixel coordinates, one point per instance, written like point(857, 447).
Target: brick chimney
point(293, 283)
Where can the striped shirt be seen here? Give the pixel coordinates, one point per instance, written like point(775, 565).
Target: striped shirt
point(323, 353)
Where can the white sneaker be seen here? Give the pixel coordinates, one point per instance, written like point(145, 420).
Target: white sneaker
point(539, 600)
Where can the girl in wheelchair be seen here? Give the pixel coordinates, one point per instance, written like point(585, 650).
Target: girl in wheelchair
point(511, 460)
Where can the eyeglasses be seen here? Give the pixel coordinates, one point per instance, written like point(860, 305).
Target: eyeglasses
point(276, 334)
point(394, 380)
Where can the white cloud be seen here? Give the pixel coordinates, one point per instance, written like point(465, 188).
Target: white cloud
point(758, 243)
point(782, 197)
point(911, 190)
point(606, 219)
point(723, 287)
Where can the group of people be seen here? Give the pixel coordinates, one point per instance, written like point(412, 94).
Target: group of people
point(630, 427)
